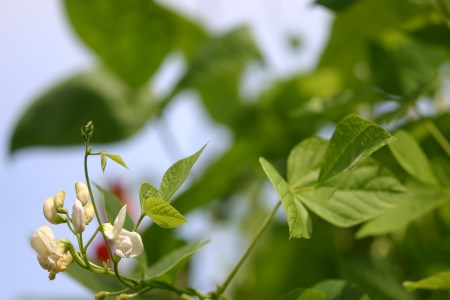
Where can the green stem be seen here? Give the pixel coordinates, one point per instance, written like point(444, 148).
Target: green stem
point(68, 224)
point(106, 294)
point(259, 233)
point(82, 250)
point(76, 257)
point(140, 292)
point(438, 136)
point(91, 239)
point(97, 216)
point(179, 291)
point(444, 9)
point(138, 222)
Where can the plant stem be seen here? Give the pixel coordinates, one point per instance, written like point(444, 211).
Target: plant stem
point(91, 239)
point(439, 137)
point(83, 251)
point(97, 216)
point(260, 231)
point(138, 222)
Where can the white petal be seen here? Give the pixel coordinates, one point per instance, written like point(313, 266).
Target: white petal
point(43, 241)
point(130, 244)
point(120, 220)
point(48, 262)
point(78, 216)
point(123, 246)
point(109, 231)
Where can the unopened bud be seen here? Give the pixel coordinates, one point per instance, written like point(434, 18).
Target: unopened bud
point(78, 217)
point(82, 192)
point(59, 199)
point(89, 213)
point(87, 131)
point(101, 295)
point(50, 212)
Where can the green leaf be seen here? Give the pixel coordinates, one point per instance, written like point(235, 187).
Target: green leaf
point(336, 5)
point(353, 140)
point(177, 174)
point(147, 190)
point(438, 281)
point(367, 192)
point(142, 265)
point(132, 40)
point(54, 118)
point(304, 162)
point(340, 289)
point(303, 294)
point(411, 157)
point(112, 207)
point(117, 159)
point(103, 161)
point(162, 213)
point(174, 259)
point(297, 216)
point(91, 280)
point(419, 200)
point(367, 21)
point(215, 71)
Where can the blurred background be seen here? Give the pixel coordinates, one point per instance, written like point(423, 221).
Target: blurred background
point(161, 79)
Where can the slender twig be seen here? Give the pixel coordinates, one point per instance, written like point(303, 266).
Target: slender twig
point(444, 9)
point(259, 233)
point(83, 253)
point(439, 137)
point(138, 222)
point(168, 139)
point(92, 238)
point(97, 216)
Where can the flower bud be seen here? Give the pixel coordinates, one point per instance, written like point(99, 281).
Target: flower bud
point(78, 217)
point(50, 212)
point(101, 295)
point(87, 131)
point(89, 213)
point(59, 201)
point(82, 192)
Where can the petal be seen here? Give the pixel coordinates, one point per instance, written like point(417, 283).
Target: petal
point(130, 244)
point(48, 262)
point(78, 216)
point(120, 220)
point(123, 246)
point(109, 231)
point(43, 241)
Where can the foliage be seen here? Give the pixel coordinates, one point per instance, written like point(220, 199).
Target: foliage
point(372, 202)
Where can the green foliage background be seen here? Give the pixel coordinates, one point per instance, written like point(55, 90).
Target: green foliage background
point(382, 58)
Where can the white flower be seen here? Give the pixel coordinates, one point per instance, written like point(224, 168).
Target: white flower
point(82, 192)
point(51, 254)
point(78, 219)
point(128, 244)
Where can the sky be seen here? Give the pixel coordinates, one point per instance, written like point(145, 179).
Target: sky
point(38, 48)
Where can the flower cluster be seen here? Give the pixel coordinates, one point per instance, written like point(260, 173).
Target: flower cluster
point(55, 256)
